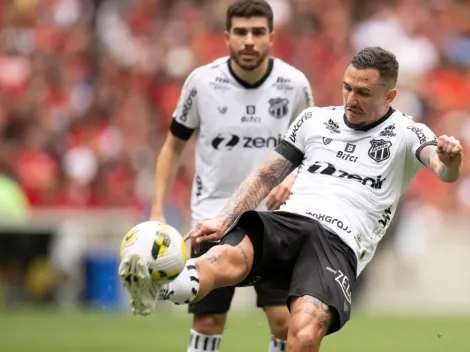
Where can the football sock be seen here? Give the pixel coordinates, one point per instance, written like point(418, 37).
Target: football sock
point(184, 288)
point(277, 345)
point(203, 343)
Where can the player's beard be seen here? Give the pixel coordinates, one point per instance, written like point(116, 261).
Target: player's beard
point(235, 56)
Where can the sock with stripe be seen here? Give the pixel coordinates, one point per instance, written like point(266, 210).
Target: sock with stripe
point(184, 288)
point(277, 345)
point(203, 343)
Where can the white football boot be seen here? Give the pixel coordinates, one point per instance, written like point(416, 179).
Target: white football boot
point(135, 277)
point(134, 272)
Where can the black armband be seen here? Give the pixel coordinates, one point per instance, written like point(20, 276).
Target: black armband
point(181, 131)
point(290, 152)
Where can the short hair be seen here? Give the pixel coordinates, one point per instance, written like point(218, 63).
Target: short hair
point(247, 9)
point(381, 60)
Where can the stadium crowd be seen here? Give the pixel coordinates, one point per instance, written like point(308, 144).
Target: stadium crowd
point(88, 87)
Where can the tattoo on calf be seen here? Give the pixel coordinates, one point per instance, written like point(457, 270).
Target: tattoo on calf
point(315, 308)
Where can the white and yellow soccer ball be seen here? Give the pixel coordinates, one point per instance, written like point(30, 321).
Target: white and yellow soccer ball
point(160, 245)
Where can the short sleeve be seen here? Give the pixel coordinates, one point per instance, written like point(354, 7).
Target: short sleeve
point(418, 136)
point(293, 145)
point(186, 115)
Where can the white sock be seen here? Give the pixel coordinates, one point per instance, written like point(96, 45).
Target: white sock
point(184, 288)
point(277, 345)
point(203, 343)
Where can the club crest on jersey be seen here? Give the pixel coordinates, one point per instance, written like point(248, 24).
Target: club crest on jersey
point(379, 150)
point(278, 107)
point(326, 141)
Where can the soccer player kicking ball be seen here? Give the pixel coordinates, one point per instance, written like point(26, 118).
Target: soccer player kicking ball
point(240, 107)
point(354, 162)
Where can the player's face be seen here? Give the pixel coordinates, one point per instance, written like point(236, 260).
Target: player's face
point(249, 41)
point(365, 98)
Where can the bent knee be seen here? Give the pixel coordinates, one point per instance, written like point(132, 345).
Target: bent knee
point(209, 324)
point(305, 338)
point(313, 331)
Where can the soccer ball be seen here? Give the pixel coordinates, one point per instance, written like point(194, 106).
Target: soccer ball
point(161, 246)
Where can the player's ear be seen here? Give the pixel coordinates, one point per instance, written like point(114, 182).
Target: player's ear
point(227, 37)
point(391, 95)
point(271, 38)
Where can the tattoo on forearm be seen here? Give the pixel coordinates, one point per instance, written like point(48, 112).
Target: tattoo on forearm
point(427, 158)
point(257, 186)
point(316, 309)
point(447, 174)
point(432, 161)
point(245, 259)
point(443, 170)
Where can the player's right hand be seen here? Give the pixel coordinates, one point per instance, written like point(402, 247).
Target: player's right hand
point(449, 150)
point(209, 230)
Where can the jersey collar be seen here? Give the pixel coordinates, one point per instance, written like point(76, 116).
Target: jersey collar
point(257, 84)
point(372, 125)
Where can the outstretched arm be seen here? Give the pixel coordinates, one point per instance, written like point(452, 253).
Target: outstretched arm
point(288, 155)
point(445, 159)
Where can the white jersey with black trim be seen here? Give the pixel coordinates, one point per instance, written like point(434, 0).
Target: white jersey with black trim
point(236, 125)
point(350, 180)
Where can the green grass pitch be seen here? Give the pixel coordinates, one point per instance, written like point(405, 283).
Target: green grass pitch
point(51, 331)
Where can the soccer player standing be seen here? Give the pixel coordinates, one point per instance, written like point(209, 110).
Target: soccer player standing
point(240, 107)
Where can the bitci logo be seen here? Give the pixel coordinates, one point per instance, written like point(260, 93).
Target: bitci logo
point(350, 148)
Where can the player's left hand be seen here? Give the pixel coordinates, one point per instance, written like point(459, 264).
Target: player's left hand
point(280, 193)
point(449, 150)
point(209, 230)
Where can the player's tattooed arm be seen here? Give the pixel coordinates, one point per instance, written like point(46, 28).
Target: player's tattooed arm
point(257, 186)
point(430, 158)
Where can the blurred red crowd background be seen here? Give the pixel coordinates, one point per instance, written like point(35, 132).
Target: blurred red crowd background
point(88, 87)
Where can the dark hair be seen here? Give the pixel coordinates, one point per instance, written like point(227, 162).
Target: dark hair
point(381, 60)
point(249, 8)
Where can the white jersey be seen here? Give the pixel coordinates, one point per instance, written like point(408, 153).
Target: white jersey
point(237, 126)
point(350, 180)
